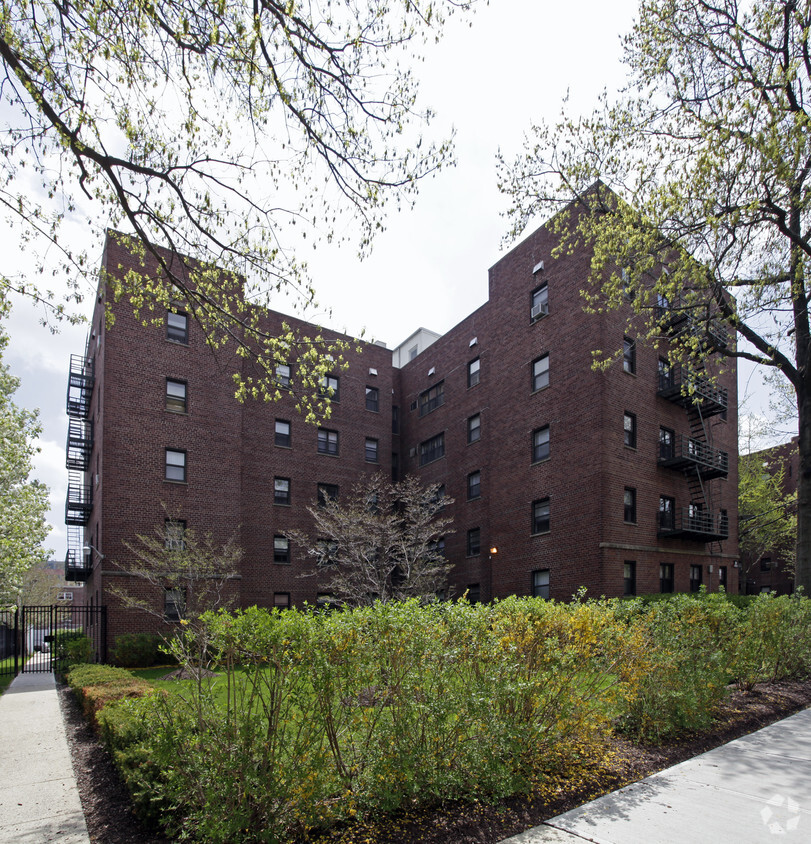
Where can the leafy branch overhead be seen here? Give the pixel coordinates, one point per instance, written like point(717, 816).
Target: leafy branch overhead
point(230, 132)
point(384, 542)
point(694, 188)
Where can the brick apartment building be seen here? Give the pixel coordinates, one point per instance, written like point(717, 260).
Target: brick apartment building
point(562, 476)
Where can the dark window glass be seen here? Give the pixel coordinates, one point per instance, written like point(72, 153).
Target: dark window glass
point(666, 577)
point(540, 444)
point(629, 429)
point(539, 302)
point(175, 535)
point(665, 372)
point(176, 395)
point(540, 515)
point(177, 327)
point(327, 492)
point(473, 542)
point(473, 370)
point(540, 373)
point(432, 449)
point(667, 513)
point(696, 573)
point(432, 398)
point(283, 376)
point(282, 433)
point(667, 444)
point(281, 550)
point(628, 355)
point(372, 399)
point(175, 465)
point(281, 600)
point(540, 583)
point(174, 603)
point(474, 428)
point(722, 576)
point(371, 450)
point(395, 419)
point(629, 577)
point(473, 593)
point(474, 484)
point(327, 441)
point(629, 501)
point(281, 490)
point(330, 386)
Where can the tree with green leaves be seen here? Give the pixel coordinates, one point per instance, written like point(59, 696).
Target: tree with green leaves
point(767, 507)
point(233, 133)
point(23, 501)
point(383, 543)
point(693, 188)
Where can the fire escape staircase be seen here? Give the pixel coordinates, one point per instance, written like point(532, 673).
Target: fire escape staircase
point(695, 455)
point(78, 450)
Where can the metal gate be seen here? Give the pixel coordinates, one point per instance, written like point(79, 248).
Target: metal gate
point(50, 632)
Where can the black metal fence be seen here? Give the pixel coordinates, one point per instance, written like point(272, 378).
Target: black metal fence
point(56, 632)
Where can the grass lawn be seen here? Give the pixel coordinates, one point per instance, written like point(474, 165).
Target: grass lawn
point(5, 679)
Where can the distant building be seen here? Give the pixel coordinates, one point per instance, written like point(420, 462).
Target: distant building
point(562, 476)
point(771, 571)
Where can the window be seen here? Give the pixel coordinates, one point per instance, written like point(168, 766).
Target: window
point(174, 535)
point(327, 550)
point(473, 370)
point(327, 441)
point(175, 465)
point(473, 593)
point(438, 547)
point(281, 490)
point(629, 429)
point(413, 352)
point(667, 447)
point(539, 302)
point(432, 398)
point(64, 596)
point(665, 372)
point(628, 355)
point(722, 576)
point(474, 542)
point(281, 600)
point(282, 433)
point(474, 485)
point(666, 577)
point(723, 523)
point(695, 578)
point(540, 444)
point(372, 399)
point(432, 449)
point(697, 519)
point(540, 373)
point(629, 577)
point(330, 386)
point(281, 550)
point(174, 602)
point(283, 376)
point(540, 515)
point(667, 511)
point(765, 563)
point(327, 492)
point(176, 395)
point(395, 419)
point(629, 501)
point(371, 450)
point(540, 584)
point(177, 327)
point(474, 428)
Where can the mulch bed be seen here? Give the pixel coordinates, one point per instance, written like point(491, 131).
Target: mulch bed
point(110, 819)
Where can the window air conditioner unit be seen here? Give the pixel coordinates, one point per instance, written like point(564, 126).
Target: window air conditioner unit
point(539, 310)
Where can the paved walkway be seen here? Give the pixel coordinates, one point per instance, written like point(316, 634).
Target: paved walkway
point(39, 800)
point(754, 789)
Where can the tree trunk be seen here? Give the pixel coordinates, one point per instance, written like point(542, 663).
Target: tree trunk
point(802, 571)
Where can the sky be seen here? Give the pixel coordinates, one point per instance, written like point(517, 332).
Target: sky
point(495, 72)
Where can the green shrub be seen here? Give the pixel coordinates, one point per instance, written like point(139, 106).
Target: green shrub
point(70, 647)
point(97, 685)
point(138, 650)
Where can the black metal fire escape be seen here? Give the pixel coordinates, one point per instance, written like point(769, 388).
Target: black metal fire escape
point(695, 455)
point(78, 449)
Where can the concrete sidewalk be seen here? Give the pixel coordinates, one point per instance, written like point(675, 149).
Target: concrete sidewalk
point(754, 789)
point(39, 800)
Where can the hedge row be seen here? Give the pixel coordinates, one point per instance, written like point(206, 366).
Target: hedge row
point(316, 718)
